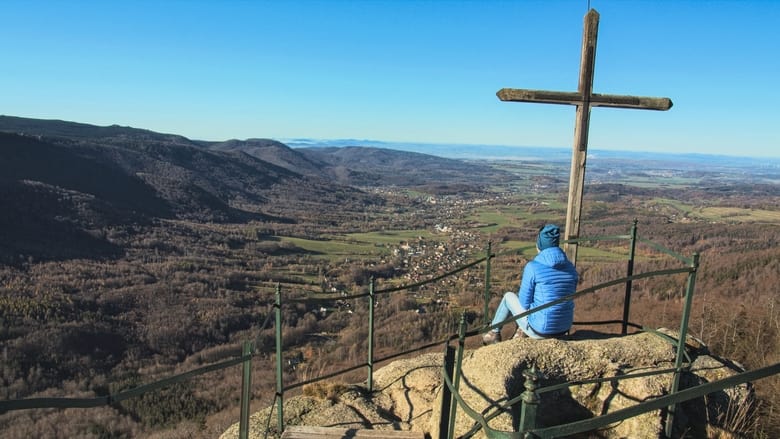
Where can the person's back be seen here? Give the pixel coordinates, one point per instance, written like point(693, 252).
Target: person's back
point(549, 277)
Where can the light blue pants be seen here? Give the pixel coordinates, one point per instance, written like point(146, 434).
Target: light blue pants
point(510, 306)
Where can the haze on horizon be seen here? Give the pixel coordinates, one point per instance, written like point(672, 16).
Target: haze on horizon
point(399, 71)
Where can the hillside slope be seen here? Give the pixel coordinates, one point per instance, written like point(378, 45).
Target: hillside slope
point(368, 166)
point(64, 182)
point(61, 182)
point(273, 152)
point(364, 166)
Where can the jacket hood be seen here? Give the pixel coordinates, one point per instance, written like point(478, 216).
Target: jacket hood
point(551, 257)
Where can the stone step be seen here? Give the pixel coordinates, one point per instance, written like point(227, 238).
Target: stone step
point(306, 432)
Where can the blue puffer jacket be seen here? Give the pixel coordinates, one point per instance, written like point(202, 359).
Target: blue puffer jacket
point(549, 276)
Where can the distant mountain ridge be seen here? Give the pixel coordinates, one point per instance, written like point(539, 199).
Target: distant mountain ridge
point(76, 130)
point(534, 153)
point(273, 152)
point(61, 179)
point(367, 166)
point(363, 165)
point(61, 183)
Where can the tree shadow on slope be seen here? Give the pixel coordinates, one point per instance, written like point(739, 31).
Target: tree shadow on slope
point(36, 225)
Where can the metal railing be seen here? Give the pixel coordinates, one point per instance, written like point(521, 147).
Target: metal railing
point(448, 410)
point(453, 358)
point(530, 398)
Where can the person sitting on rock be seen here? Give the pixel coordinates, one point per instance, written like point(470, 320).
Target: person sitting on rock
point(548, 277)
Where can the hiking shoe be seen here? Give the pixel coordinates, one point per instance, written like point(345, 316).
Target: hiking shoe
point(491, 337)
point(519, 334)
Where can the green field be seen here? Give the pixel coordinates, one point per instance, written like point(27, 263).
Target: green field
point(723, 214)
point(525, 248)
point(390, 237)
point(515, 216)
point(654, 182)
point(735, 214)
point(335, 248)
point(369, 244)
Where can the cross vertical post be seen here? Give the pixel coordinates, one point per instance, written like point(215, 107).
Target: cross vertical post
point(584, 99)
point(579, 153)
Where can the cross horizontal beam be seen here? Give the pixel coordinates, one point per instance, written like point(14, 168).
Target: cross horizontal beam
point(575, 98)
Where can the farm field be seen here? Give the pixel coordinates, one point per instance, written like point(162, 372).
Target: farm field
point(335, 248)
point(734, 214)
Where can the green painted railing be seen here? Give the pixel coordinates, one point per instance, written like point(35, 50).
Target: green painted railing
point(115, 398)
point(527, 416)
point(452, 366)
point(530, 398)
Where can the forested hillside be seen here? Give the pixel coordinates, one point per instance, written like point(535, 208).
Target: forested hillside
point(128, 256)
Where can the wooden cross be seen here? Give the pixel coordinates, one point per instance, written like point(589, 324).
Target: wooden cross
point(583, 99)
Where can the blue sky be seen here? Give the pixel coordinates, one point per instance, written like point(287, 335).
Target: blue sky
point(411, 71)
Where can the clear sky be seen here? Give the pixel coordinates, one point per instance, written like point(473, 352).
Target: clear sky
point(416, 71)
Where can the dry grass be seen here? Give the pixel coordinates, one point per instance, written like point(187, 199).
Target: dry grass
point(740, 418)
point(325, 390)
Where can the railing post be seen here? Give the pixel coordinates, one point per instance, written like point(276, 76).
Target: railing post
point(485, 314)
point(681, 342)
point(279, 384)
point(456, 375)
point(529, 400)
point(370, 380)
point(246, 388)
point(446, 394)
point(629, 273)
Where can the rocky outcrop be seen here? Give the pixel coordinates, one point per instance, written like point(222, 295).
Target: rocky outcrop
point(408, 392)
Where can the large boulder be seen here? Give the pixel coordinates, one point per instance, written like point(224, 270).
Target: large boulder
point(407, 393)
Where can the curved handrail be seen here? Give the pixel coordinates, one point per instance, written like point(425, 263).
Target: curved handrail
point(592, 289)
point(337, 296)
point(610, 418)
point(32, 403)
